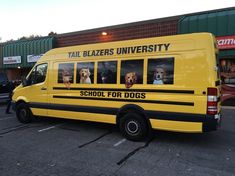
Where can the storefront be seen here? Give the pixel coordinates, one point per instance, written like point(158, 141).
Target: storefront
point(20, 56)
point(226, 45)
point(221, 24)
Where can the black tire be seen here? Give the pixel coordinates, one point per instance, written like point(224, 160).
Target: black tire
point(23, 113)
point(133, 127)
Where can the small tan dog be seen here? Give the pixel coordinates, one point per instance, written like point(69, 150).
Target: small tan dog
point(130, 79)
point(159, 75)
point(66, 76)
point(85, 76)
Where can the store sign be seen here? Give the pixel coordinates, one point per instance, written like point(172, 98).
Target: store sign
point(33, 58)
point(226, 42)
point(12, 60)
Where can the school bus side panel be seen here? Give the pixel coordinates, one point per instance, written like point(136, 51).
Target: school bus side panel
point(72, 108)
point(196, 99)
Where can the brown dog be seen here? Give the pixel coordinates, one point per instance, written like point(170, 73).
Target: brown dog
point(66, 76)
point(130, 79)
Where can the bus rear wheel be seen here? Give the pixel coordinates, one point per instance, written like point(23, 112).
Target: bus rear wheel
point(133, 127)
point(23, 113)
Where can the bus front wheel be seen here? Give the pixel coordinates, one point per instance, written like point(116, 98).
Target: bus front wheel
point(133, 127)
point(23, 113)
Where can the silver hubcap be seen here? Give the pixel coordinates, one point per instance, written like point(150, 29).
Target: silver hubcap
point(132, 127)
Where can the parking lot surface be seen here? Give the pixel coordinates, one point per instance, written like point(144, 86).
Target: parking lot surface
point(59, 147)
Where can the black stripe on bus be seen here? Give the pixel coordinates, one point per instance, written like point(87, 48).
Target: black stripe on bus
point(127, 100)
point(126, 90)
point(186, 117)
point(175, 116)
point(75, 108)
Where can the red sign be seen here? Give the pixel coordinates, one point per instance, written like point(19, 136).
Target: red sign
point(226, 42)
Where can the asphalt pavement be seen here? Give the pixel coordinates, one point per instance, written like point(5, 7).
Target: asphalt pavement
point(58, 147)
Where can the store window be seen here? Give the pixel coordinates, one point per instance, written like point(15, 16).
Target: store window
point(227, 68)
point(132, 72)
point(107, 72)
point(66, 73)
point(85, 73)
point(160, 71)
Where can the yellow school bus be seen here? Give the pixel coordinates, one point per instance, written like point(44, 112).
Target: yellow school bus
point(168, 83)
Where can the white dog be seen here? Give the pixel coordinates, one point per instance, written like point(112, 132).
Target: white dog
point(85, 76)
point(159, 75)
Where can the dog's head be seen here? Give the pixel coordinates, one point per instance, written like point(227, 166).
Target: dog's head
point(159, 73)
point(65, 72)
point(130, 79)
point(84, 73)
point(66, 75)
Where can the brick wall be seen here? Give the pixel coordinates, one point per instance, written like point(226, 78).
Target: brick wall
point(121, 32)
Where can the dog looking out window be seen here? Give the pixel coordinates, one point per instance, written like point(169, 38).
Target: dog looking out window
point(85, 76)
point(130, 79)
point(159, 75)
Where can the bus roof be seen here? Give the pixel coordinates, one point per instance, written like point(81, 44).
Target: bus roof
point(137, 47)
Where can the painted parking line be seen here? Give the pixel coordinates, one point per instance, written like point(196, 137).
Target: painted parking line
point(119, 142)
point(46, 129)
point(49, 128)
point(6, 118)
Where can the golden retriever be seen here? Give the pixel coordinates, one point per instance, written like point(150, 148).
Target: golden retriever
point(130, 79)
point(159, 75)
point(85, 76)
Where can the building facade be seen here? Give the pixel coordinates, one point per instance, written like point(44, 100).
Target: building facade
point(143, 29)
point(18, 57)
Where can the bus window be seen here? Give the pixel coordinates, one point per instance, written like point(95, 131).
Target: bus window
point(85, 73)
point(132, 72)
point(66, 73)
point(38, 75)
point(107, 72)
point(160, 71)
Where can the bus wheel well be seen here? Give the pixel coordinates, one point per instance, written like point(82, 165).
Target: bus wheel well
point(20, 101)
point(131, 108)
